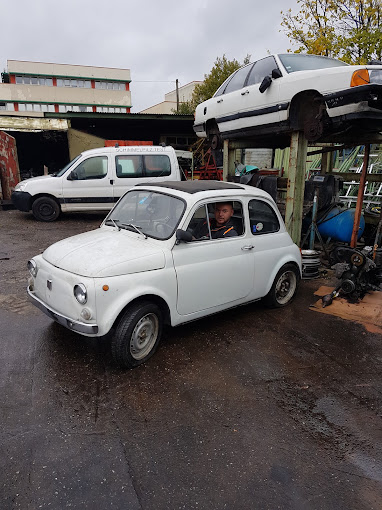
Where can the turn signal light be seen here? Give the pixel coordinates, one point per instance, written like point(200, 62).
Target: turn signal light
point(360, 77)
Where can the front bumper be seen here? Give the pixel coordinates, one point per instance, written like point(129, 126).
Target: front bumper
point(372, 94)
point(22, 200)
point(78, 327)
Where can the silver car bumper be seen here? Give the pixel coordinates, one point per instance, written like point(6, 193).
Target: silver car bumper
point(79, 327)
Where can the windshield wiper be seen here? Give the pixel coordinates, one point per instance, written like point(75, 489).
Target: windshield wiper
point(113, 222)
point(135, 227)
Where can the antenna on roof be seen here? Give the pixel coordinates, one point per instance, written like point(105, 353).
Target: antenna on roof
point(116, 145)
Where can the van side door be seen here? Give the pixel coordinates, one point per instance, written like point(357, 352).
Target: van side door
point(87, 186)
point(136, 168)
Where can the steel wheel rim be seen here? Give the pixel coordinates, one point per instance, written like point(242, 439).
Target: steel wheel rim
point(46, 210)
point(285, 287)
point(144, 336)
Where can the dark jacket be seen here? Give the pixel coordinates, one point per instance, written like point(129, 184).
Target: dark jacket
point(227, 230)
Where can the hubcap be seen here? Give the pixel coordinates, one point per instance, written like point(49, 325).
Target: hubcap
point(286, 287)
point(144, 336)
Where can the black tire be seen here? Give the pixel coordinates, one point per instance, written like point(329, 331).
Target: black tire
point(45, 209)
point(284, 287)
point(137, 335)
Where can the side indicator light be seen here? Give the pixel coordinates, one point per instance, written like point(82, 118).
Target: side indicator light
point(360, 77)
point(105, 288)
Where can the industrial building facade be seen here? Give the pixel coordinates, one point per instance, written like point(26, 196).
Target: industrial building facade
point(34, 88)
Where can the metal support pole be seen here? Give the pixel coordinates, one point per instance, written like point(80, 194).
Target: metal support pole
point(361, 192)
point(296, 185)
point(225, 159)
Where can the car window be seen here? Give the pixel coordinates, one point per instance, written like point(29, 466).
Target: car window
point(199, 224)
point(262, 218)
point(157, 165)
point(296, 62)
point(203, 225)
point(238, 79)
point(91, 168)
point(152, 165)
point(129, 166)
point(262, 68)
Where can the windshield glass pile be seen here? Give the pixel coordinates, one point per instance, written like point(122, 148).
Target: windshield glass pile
point(296, 62)
point(149, 213)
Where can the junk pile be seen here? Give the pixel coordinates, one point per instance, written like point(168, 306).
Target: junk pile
point(358, 271)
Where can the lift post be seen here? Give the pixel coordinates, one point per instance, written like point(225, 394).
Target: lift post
point(296, 185)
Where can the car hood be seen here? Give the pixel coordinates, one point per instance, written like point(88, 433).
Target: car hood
point(32, 180)
point(105, 252)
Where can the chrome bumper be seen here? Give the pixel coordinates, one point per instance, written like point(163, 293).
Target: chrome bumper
point(79, 327)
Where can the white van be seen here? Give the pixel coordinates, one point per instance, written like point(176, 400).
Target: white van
point(95, 180)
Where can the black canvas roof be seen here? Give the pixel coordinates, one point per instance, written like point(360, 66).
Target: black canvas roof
point(195, 186)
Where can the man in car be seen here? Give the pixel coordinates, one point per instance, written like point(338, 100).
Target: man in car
point(221, 226)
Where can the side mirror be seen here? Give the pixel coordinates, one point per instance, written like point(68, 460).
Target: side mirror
point(73, 176)
point(265, 84)
point(183, 235)
point(276, 73)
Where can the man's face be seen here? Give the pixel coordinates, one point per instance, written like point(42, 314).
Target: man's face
point(223, 213)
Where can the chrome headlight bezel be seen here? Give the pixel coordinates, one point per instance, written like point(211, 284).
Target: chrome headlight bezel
point(32, 268)
point(80, 293)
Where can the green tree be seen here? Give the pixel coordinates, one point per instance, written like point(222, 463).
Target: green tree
point(347, 29)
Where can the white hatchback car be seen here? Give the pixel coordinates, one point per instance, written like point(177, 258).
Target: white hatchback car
point(328, 99)
point(165, 255)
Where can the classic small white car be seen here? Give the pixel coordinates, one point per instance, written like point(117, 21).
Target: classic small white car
point(326, 98)
point(167, 254)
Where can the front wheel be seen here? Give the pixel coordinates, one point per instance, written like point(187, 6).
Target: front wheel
point(284, 287)
point(45, 209)
point(137, 335)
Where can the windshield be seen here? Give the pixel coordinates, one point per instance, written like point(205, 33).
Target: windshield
point(63, 170)
point(149, 213)
point(296, 62)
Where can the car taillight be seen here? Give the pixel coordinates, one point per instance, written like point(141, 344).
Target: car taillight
point(360, 77)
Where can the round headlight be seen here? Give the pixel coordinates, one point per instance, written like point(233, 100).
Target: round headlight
point(80, 293)
point(32, 268)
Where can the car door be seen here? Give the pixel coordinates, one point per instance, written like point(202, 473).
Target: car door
point(212, 272)
point(132, 169)
point(260, 108)
point(269, 240)
point(88, 186)
point(227, 101)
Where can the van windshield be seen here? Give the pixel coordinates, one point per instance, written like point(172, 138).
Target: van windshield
point(63, 170)
point(150, 213)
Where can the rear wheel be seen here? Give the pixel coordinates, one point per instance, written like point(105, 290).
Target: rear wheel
point(45, 209)
point(284, 287)
point(137, 335)
point(213, 135)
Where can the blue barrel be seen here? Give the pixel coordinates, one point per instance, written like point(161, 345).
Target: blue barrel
point(338, 224)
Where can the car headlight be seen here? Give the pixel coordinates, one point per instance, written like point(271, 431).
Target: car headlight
point(32, 268)
point(80, 293)
point(20, 186)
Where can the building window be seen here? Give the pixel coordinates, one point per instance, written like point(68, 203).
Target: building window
point(109, 85)
point(34, 80)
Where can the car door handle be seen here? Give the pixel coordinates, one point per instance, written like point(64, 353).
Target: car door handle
point(111, 181)
point(219, 101)
point(247, 248)
point(245, 92)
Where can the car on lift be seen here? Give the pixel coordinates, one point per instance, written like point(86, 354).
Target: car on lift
point(146, 266)
point(269, 99)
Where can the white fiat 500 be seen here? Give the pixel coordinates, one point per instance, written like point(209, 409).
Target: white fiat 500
point(167, 254)
point(326, 98)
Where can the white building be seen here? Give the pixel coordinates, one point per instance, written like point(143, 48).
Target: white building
point(169, 103)
point(32, 88)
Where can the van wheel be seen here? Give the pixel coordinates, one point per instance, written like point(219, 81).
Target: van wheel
point(284, 287)
point(137, 335)
point(45, 209)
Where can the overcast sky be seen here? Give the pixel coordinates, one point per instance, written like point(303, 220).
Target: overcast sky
point(159, 41)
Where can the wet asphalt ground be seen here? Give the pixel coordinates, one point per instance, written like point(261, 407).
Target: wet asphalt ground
point(250, 409)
